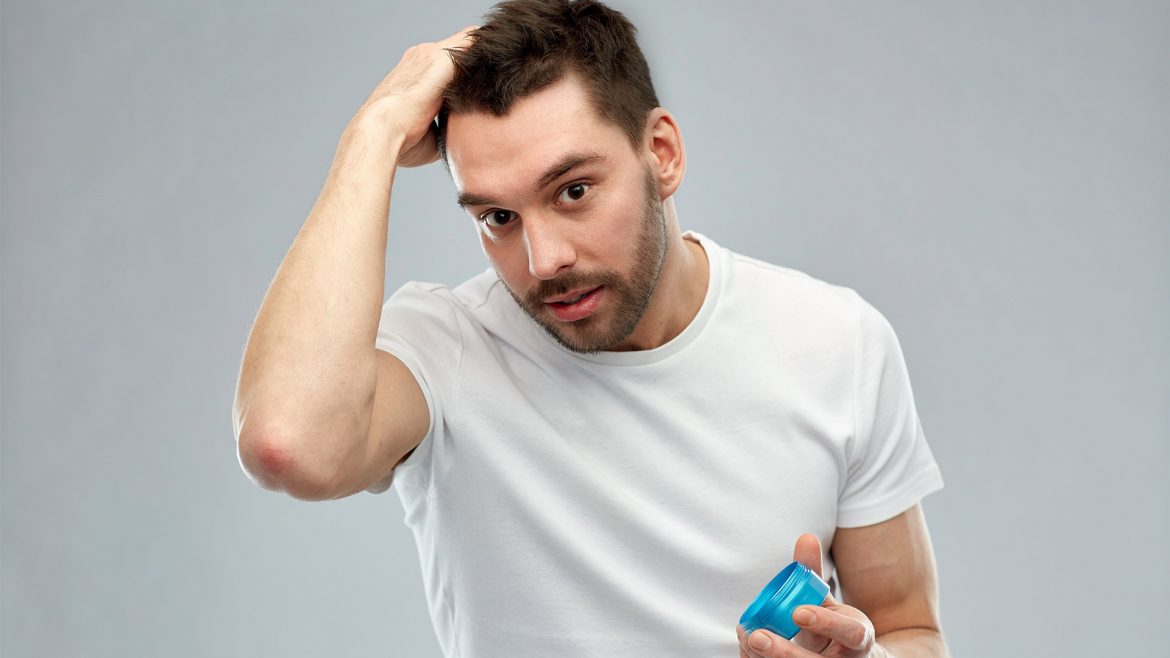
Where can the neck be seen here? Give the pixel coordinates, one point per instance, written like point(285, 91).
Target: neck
point(681, 288)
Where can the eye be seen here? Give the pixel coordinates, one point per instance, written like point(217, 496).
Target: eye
point(497, 218)
point(573, 192)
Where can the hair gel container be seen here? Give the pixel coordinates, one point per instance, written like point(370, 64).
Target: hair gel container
point(794, 586)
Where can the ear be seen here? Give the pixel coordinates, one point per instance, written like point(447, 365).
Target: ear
point(666, 153)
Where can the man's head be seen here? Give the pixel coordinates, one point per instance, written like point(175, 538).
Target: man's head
point(525, 45)
point(557, 147)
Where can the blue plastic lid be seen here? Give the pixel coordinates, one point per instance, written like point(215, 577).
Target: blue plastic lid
point(794, 586)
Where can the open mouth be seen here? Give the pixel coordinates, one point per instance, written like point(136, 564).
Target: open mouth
point(576, 305)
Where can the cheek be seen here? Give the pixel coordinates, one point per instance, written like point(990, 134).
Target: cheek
point(623, 225)
point(510, 264)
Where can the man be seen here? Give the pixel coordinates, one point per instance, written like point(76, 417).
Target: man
point(607, 443)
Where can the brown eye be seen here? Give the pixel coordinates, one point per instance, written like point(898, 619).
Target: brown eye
point(497, 218)
point(574, 192)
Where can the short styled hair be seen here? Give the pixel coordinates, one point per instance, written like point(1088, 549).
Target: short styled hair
point(525, 45)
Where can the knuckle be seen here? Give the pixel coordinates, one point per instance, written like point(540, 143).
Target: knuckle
point(861, 635)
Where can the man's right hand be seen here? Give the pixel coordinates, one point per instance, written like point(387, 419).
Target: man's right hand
point(408, 98)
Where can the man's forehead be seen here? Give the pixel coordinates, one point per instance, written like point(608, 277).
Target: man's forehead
point(537, 131)
point(530, 172)
point(487, 152)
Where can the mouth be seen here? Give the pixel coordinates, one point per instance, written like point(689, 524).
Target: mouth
point(575, 305)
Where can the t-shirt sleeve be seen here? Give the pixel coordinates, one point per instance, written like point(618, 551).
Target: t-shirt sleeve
point(419, 326)
point(890, 465)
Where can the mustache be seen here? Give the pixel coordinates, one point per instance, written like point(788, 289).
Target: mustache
point(571, 281)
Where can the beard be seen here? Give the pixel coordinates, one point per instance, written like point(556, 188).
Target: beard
point(632, 295)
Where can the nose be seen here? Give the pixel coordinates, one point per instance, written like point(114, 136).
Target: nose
point(550, 247)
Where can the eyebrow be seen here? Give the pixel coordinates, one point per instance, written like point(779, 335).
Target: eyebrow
point(559, 168)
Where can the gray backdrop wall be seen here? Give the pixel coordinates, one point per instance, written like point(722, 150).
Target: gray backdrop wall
point(993, 176)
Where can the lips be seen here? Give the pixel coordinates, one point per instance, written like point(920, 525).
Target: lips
point(570, 296)
point(575, 305)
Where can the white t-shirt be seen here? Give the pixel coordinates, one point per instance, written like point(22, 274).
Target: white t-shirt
point(634, 503)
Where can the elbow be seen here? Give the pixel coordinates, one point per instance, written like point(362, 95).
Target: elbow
point(275, 466)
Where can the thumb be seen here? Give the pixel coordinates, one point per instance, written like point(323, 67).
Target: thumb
point(808, 552)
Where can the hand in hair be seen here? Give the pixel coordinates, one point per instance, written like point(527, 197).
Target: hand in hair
point(408, 98)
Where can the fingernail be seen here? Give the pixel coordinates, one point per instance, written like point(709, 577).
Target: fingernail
point(759, 640)
point(804, 617)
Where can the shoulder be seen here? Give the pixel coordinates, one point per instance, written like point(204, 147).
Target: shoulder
point(479, 310)
point(440, 298)
point(820, 310)
point(785, 294)
point(786, 279)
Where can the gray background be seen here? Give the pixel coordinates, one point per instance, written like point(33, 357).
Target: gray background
point(993, 176)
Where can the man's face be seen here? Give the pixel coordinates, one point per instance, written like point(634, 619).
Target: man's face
point(568, 214)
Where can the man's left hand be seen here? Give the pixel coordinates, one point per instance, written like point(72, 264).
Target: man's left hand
point(835, 629)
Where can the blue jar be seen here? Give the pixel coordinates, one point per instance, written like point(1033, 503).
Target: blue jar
point(794, 586)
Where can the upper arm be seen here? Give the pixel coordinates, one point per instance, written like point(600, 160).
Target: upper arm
point(398, 422)
point(887, 571)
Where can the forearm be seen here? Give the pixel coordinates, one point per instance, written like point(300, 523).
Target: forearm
point(911, 643)
point(308, 375)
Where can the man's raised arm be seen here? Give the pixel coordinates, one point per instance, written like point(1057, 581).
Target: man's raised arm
point(318, 412)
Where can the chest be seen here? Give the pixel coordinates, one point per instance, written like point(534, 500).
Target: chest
point(711, 445)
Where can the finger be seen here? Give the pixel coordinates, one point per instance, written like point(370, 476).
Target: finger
point(742, 639)
point(744, 650)
point(462, 38)
point(851, 632)
point(808, 552)
point(809, 639)
point(812, 642)
point(763, 644)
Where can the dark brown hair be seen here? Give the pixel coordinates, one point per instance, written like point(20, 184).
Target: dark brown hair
point(526, 45)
